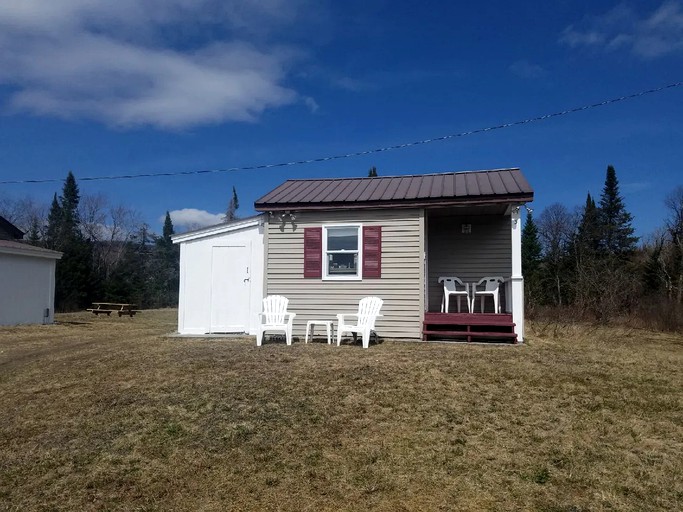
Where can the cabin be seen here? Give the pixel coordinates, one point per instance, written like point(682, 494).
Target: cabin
point(27, 279)
point(330, 242)
point(326, 243)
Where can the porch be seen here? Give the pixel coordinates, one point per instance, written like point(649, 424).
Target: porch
point(471, 243)
point(469, 327)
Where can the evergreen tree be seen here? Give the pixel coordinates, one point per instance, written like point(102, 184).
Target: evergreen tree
point(166, 268)
point(54, 220)
point(168, 231)
point(589, 232)
point(71, 221)
point(615, 222)
point(233, 205)
point(531, 246)
point(531, 261)
point(34, 232)
point(73, 280)
point(372, 173)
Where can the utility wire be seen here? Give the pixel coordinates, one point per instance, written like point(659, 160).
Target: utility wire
point(361, 153)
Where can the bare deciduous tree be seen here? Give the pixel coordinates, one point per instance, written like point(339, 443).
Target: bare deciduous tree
point(556, 228)
point(25, 213)
point(108, 228)
point(674, 224)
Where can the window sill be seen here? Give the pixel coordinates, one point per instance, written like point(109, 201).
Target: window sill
point(342, 278)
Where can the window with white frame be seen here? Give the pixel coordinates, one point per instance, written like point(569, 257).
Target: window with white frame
point(342, 252)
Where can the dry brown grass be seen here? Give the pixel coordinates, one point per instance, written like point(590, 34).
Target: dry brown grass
point(109, 414)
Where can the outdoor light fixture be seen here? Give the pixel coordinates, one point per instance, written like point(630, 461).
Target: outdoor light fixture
point(282, 216)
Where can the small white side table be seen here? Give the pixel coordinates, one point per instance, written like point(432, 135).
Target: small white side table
point(310, 327)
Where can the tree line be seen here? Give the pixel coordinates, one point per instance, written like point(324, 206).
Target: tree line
point(588, 262)
point(585, 261)
point(109, 254)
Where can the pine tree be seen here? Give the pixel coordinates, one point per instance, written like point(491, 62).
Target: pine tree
point(531, 261)
point(589, 232)
point(531, 246)
point(73, 282)
point(69, 200)
point(617, 233)
point(166, 267)
point(54, 221)
point(33, 235)
point(168, 231)
point(233, 205)
point(372, 173)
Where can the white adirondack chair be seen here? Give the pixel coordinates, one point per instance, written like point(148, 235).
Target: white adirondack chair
point(491, 290)
point(454, 286)
point(368, 311)
point(275, 317)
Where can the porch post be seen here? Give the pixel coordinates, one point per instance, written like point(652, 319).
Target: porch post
point(517, 280)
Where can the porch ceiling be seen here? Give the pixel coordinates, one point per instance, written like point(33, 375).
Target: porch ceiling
point(448, 211)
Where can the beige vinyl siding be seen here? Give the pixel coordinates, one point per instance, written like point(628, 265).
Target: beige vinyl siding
point(400, 286)
point(485, 252)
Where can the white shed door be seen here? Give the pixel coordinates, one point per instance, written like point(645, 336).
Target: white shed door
point(230, 286)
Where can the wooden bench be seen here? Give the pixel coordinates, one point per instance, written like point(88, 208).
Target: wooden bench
point(113, 307)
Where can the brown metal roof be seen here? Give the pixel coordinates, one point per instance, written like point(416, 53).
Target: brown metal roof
point(473, 187)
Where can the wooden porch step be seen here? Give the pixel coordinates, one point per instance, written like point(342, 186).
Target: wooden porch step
point(473, 334)
point(469, 326)
point(470, 336)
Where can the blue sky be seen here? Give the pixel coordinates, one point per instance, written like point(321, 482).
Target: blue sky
point(126, 87)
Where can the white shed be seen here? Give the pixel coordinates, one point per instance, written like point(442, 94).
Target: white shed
point(221, 277)
point(27, 283)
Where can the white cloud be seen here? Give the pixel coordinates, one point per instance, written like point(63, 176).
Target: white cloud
point(526, 69)
point(311, 104)
point(648, 36)
point(130, 63)
point(191, 218)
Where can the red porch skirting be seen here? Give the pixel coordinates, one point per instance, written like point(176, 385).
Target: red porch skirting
point(469, 326)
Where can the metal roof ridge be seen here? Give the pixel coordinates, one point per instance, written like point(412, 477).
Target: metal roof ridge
point(294, 180)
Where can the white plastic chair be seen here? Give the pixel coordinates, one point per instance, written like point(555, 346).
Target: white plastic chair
point(454, 286)
point(491, 290)
point(368, 311)
point(275, 317)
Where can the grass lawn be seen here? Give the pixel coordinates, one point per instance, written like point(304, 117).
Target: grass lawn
point(109, 414)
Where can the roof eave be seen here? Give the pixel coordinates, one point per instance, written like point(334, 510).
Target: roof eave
point(218, 229)
point(19, 251)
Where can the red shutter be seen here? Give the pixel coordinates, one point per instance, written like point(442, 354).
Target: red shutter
point(372, 252)
point(313, 252)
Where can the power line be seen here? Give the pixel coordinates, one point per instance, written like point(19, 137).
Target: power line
point(361, 153)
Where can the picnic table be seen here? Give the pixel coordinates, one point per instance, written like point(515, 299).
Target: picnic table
point(113, 307)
